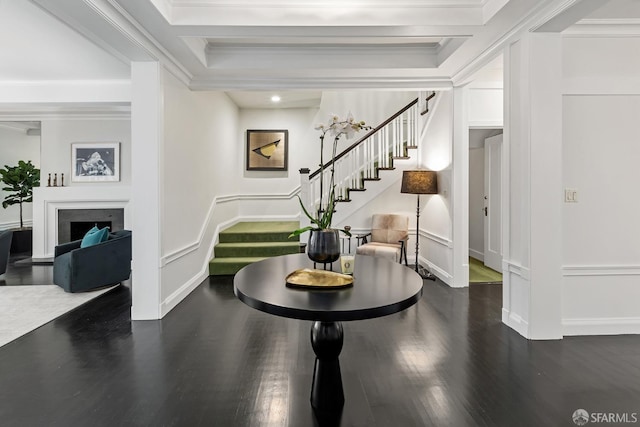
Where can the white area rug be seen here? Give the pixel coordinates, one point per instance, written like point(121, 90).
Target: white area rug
point(25, 308)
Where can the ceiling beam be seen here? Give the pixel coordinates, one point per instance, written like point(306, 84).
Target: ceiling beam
point(415, 31)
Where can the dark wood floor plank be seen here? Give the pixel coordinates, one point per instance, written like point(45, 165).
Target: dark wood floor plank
point(212, 361)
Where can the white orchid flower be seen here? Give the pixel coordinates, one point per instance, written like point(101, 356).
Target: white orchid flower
point(350, 117)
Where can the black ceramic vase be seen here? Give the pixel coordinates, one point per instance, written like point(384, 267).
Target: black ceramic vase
point(324, 245)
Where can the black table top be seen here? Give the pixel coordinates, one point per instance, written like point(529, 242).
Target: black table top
point(380, 287)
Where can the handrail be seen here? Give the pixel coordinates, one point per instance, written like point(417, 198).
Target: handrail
point(361, 140)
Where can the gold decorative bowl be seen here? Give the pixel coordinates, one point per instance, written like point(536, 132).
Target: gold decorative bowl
point(318, 279)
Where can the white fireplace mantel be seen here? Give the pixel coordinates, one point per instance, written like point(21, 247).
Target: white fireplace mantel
point(47, 201)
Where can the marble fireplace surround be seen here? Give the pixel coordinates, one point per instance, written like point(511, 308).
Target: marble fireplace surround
point(49, 201)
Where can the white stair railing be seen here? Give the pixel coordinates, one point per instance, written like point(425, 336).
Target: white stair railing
point(362, 160)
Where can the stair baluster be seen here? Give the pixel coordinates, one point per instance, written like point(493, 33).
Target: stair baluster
point(363, 159)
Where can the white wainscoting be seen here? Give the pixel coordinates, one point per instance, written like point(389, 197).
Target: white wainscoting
point(601, 299)
point(516, 296)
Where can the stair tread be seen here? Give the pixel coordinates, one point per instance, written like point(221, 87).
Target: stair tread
point(262, 227)
point(235, 260)
point(293, 244)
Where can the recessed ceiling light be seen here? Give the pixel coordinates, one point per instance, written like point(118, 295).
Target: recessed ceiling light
point(275, 98)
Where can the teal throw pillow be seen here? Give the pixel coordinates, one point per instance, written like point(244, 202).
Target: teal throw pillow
point(95, 236)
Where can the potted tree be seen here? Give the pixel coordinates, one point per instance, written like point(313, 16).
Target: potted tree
point(19, 181)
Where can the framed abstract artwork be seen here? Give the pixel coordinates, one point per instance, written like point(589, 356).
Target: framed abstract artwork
point(95, 161)
point(267, 150)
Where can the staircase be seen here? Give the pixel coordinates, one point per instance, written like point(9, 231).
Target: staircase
point(384, 148)
point(248, 242)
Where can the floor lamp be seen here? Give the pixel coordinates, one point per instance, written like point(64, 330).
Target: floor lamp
point(420, 182)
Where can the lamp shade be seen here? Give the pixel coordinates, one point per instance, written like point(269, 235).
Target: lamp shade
point(419, 182)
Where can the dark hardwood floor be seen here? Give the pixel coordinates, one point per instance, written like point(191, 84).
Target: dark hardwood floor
point(212, 361)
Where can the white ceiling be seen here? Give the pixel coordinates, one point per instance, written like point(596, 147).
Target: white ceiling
point(288, 99)
point(33, 47)
point(254, 48)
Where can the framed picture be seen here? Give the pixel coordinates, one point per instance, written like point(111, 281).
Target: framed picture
point(267, 150)
point(95, 161)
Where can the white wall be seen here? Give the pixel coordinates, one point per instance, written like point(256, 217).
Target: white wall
point(199, 161)
point(16, 145)
point(436, 218)
point(485, 107)
point(59, 133)
point(372, 107)
point(303, 147)
point(601, 257)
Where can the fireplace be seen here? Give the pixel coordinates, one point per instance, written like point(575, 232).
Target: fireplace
point(74, 223)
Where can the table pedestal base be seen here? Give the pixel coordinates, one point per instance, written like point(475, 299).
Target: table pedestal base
point(326, 391)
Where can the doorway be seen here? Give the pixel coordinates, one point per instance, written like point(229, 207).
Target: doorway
point(19, 141)
point(485, 205)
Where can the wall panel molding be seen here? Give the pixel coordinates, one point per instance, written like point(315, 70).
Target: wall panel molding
point(176, 254)
point(601, 270)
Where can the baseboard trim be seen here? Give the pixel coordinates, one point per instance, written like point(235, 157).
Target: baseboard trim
point(601, 326)
point(437, 271)
point(176, 297)
point(515, 322)
point(476, 254)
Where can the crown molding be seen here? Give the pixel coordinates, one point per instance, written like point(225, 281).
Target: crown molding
point(324, 83)
point(37, 112)
point(629, 27)
point(535, 19)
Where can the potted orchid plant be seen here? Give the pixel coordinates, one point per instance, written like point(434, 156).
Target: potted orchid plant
point(324, 241)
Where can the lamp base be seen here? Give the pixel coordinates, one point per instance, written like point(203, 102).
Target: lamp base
point(424, 273)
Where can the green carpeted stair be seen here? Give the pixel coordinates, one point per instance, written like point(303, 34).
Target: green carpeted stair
point(248, 242)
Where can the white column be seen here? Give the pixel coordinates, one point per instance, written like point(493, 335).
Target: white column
point(460, 188)
point(146, 171)
point(532, 289)
point(546, 186)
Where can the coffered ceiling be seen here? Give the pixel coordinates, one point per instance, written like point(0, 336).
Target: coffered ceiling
point(248, 45)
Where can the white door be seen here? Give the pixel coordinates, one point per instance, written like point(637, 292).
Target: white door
point(493, 202)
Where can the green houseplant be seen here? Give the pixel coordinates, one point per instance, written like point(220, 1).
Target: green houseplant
point(324, 244)
point(19, 181)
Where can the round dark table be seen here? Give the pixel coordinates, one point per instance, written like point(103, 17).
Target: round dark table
point(380, 287)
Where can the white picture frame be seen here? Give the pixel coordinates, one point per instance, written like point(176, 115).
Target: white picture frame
point(95, 161)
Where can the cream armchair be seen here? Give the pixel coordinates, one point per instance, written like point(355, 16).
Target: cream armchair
point(387, 239)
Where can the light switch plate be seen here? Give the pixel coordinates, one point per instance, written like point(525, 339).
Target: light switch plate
point(570, 195)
